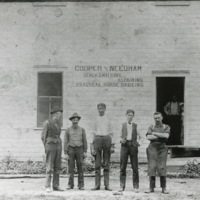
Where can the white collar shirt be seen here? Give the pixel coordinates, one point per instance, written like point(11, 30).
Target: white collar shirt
point(103, 126)
point(174, 108)
point(129, 130)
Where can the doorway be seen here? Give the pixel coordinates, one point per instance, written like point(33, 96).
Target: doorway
point(166, 87)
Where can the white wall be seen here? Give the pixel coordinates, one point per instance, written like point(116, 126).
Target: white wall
point(35, 37)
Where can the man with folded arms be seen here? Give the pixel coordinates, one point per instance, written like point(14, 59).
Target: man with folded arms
point(75, 149)
point(158, 135)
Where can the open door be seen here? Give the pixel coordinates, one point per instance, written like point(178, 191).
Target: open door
point(167, 87)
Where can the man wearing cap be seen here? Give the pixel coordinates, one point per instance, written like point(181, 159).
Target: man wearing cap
point(103, 146)
point(75, 149)
point(158, 135)
point(129, 147)
point(53, 148)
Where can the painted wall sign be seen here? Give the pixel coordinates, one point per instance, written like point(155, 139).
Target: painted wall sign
point(109, 76)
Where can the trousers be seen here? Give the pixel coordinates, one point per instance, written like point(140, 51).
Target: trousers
point(102, 145)
point(152, 182)
point(157, 158)
point(75, 154)
point(128, 150)
point(53, 163)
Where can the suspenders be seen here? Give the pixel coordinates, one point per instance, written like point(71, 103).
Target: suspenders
point(164, 126)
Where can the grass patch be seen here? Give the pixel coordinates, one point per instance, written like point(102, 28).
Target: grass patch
point(9, 165)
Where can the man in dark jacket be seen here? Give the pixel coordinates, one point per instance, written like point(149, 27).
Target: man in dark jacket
point(53, 148)
point(157, 152)
point(75, 149)
point(129, 147)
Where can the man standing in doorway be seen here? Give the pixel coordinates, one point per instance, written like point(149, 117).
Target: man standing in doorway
point(129, 147)
point(103, 145)
point(75, 148)
point(182, 122)
point(172, 110)
point(53, 148)
point(157, 152)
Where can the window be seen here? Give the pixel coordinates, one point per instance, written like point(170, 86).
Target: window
point(49, 94)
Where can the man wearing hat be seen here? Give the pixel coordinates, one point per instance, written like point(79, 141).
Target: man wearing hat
point(53, 148)
point(75, 149)
point(103, 146)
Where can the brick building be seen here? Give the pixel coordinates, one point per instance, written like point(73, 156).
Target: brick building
point(77, 54)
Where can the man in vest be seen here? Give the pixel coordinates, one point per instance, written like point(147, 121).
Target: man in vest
point(129, 147)
point(75, 149)
point(157, 152)
point(103, 146)
point(53, 148)
point(172, 110)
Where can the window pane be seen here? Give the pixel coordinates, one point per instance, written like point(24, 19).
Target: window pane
point(50, 84)
point(56, 102)
point(43, 110)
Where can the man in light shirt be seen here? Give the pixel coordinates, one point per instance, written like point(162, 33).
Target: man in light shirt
point(172, 107)
point(172, 110)
point(129, 147)
point(103, 146)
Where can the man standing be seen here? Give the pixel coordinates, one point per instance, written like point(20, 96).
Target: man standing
point(75, 148)
point(129, 147)
point(103, 145)
point(53, 148)
point(182, 122)
point(173, 111)
point(157, 152)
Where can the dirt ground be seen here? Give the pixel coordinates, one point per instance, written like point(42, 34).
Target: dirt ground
point(33, 189)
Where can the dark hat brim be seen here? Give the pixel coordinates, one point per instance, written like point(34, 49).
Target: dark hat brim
point(75, 117)
point(56, 111)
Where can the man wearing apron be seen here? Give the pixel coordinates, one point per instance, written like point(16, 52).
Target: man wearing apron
point(157, 152)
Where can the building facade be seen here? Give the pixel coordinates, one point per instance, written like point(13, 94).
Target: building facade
point(78, 54)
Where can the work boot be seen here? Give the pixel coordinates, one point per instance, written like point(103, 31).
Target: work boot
point(151, 190)
point(121, 189)
point(136, 190)
point(96, 188)
point(108, 188)
point(58, 189)
point(48, 189)
point(164, 191)
point(69, 187)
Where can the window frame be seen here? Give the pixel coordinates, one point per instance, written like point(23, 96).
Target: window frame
point(49, 97)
